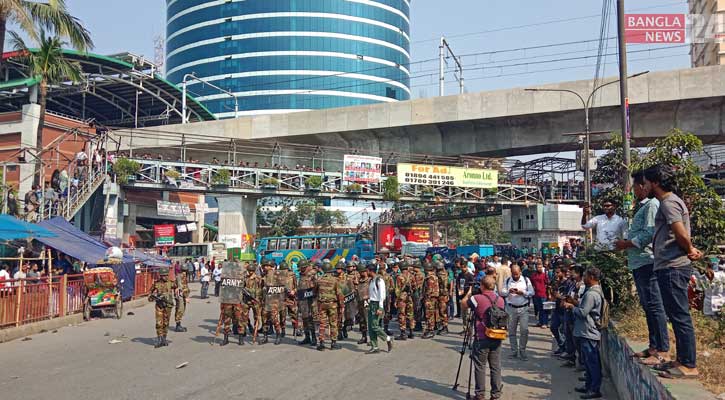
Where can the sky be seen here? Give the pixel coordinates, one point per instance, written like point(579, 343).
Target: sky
point(472, 27)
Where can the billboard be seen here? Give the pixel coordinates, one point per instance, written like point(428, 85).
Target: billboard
point(164, 235)
point(442, 175)
point(169, 209)
point(393, 237)
point(361, 169)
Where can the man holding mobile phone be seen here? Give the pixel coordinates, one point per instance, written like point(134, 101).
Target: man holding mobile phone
point(518, 292)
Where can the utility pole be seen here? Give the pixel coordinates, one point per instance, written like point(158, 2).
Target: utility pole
point(459, 67)
point(623, 95)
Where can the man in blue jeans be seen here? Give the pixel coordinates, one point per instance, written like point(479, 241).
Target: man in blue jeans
point(586, 314)
point(673, 254)
point(640, 260)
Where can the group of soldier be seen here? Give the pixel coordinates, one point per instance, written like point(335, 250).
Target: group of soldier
point(324, 303)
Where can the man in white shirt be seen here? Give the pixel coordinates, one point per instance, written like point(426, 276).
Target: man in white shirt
point(376, 310)
point(518, 292)
point(4, 276)
point(20, 274)
point(217, 278)
point(205, 279)
point(610, 227)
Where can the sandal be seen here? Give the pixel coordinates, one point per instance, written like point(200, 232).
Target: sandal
point(665, 366)
point(653, 360)
point(678, 373)
point(642, 354)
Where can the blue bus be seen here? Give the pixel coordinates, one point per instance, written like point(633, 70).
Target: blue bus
point(315, 247)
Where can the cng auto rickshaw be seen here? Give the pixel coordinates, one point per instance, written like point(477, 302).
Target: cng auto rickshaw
point(102, 292)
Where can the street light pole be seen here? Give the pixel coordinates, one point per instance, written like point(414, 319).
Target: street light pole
point(624, 100)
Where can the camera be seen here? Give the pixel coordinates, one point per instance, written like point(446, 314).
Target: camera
point(476, 289)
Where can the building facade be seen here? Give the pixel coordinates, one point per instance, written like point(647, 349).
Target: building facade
point(711, 52)
point(281, 56)
point(543, 226)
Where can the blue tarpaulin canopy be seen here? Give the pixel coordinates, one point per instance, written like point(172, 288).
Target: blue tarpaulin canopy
point(72, 241)
point(12, 228)
point(149, 260)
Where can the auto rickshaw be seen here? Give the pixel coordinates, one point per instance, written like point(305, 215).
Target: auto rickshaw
point(102, 292)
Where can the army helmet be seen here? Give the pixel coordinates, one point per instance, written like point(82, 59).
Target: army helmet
point(439, 266)
point(372, 266)
point(164, 271)
point(428, 267)
point(327, 266)
point(302, 264)
point(252, 267)
point(283, 266)
point(404, 265)
point(361, 267)
point(267, 262)
point(318, 264)
point(341, 264)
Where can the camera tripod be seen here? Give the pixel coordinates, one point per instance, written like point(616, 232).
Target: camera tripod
point(468, 334)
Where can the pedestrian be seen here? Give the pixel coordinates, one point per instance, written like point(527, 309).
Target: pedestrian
point(518, 292)
point(609, 226)
point(485, 350)
point(539, 281)
point(587, 313)
point(503, 272)
point(673, 255)
point(4, 276)
point(162, 292)
point(217, 273)
point(205, 279)
point(376, 310)
point(558, 290)
point(640, 260)
point(197, 269)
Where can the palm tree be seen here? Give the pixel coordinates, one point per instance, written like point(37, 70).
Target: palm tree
point(47, 64)
point(51, 16)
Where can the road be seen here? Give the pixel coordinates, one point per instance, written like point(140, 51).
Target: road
point(78, 362)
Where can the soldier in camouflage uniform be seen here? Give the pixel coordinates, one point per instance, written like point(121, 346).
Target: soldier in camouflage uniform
point(431, 291)
point(275, 293)
point(403, 293)
point(346, 289)
point(443, 297)
point(253, 284)
point(182, 282)
point(362, 301)
point(162, 292)
point(290, 303)
point(389, 285)
point(418, 279)
point(307, 301)
point(329, 301)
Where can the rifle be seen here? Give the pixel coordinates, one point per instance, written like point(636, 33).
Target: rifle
point(160, 301)
point(218, 327)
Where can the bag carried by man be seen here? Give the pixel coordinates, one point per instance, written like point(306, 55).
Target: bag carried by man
point(495, 321)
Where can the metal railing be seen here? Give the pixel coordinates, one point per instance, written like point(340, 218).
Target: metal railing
point(261, 182)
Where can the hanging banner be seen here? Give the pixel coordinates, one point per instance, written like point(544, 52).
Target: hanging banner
point(362, 169)
point(164, 235)
point(442, 175)
point(169, 209)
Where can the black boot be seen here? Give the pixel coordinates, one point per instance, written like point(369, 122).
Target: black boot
point(159, 342)
point(334, 346)
point(410, 334)
point(226, 340)
point(339, 335)
point(321, 346)
point(265, 339)
point(277, 339)
point(387, 329)
point(401, 336)
point(306, 340)
point(164, 341)
point(428, 334)
point(179, 328)
point(444, 329)
point(344, 332)
point(284, 332)
point(235, 329)
point(241, 340)
point(364, 339)
point(313, 338)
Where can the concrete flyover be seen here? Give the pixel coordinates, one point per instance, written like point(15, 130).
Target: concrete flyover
point(495, 123)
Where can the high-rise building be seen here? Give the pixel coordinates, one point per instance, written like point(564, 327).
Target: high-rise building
point(710, 52)
point(290, 55)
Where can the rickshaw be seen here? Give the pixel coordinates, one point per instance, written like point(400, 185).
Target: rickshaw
point(102, 291)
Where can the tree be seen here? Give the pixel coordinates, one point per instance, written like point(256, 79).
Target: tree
point(50, 67)
point(33, 17)
point(291, 217)
point(481, 230)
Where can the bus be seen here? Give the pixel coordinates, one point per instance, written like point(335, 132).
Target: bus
point(315, 247)
point(180, 252)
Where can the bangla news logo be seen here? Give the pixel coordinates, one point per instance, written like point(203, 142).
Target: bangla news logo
point(674, 28)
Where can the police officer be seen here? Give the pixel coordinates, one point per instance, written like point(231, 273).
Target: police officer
point(162, 292)
point(329, 301)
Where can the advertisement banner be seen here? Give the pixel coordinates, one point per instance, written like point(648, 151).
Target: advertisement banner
point(362, 169)
point(441, 175)
point(393, 237)
point(164, 235)
point(169, 209)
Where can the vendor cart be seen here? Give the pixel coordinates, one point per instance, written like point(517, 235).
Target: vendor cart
point(102, 292)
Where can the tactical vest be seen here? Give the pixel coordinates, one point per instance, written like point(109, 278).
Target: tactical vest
point(431, 287)
point(253, 285)
point(164, 291)
point(327, 287)
point(443, 283)
point(362, 289)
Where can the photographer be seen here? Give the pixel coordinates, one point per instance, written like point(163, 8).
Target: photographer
point(464, 282)
point(485, 350)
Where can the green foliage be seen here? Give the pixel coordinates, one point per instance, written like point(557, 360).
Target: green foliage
point(288, 220)
point(313, 182)
point(609, 172)
point(172, 173)
point(270, 182)
point(123, 168)
point(222, 177)
point(617, 283)
point(707, 215)
point(482, 230)
point(390, 189)
point(354, 188)
point(427, 191)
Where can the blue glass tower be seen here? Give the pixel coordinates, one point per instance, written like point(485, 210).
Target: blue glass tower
point(290, 55)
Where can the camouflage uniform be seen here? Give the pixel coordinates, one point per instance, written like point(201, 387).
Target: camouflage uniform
point(232, 314)
point(418, 306)
point(389, 285)
point(307, 302)
point(182, 281)
point(362, 302)
point(290, 303)
point(431, 291)
point(329, 297)
point(403, 293)
point(443, 297)
point(347, 288)
point(162, 292)
point(253, 284)
point(275, 293)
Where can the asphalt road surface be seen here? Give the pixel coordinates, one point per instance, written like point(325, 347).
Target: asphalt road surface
point(78, 362)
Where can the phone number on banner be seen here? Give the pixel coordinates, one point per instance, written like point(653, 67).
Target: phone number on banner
point(411, 178)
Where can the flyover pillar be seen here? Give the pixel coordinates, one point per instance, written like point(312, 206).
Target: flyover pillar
point(237, 216)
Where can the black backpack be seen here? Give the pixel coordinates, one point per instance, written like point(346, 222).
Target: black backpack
point(496, 321)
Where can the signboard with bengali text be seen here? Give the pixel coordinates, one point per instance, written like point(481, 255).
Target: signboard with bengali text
point(362, 169)
point(442, 175)
point(164, 235)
